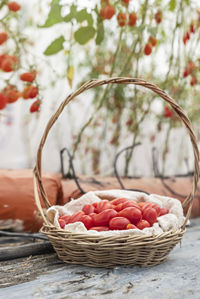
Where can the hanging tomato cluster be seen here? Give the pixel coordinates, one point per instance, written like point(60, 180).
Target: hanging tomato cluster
point(10, 63)
point(108, 11)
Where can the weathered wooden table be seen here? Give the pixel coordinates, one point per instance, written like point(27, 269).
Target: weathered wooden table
point(44, 276)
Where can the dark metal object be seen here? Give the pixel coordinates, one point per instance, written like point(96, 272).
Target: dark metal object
point(23, 235)
point(116, 171)
point(71, 167)
point(157, 173)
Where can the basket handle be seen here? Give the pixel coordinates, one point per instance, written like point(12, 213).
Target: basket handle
point(135, 81)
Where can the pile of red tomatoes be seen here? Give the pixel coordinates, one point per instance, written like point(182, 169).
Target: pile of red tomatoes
point(118, 214)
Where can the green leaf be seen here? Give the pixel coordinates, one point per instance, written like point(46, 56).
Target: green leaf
point(54, 15)
point(172, 5)
point(100, 31)
point(84, 34)
point(55, 46)
point(187, 2)
point(83, 15)
point(71, 15)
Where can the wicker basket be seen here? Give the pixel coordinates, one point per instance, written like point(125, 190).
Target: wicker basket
point(99, 251)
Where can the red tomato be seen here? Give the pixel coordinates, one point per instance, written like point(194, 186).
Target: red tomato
point(103, 218)
point(157, 208)
point(35, 106)
point(145, 205)
point(3, 101)
point(153, 41)
point(148, 49)
point(77, 216)
point(118, 201)
point(95, 204)
point(130, 203)
point(132, 213)
point(28, 76)
point(66, 218)
point(132, 19)
point(163, 211)
point(150, 215)
point(87, 221)
point(99, 228)
point(131, 226)
point(118, 223)
point(103, 205)
point(121, 18)
point(107, 12)
point(88, 209)
point(61, 222)
point(3, 37)
point(151, 205)
point(142, 224)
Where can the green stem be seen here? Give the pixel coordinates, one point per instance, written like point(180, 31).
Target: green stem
point(101, 100)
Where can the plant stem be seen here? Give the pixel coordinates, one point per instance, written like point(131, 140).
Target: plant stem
point(101, 100)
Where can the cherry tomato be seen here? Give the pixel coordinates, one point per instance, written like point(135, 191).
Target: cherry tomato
point(130, 203)
point(150, 215)
point(77, 217)
point(163, 211)
point(142, 224)
point(95, 204)
point(157, 208)
point(87, 221)
point(61, 222)
point(88, 209)
point(103, 205)
point(118, 201)
point(118, 223)
point(132, 213)
point(103, 218)
point(131, 226)
point(66, 218)
point(99, 228)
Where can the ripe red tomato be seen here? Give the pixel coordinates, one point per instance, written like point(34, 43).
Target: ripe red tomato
point(107, 12)
point(61, 222)
point(119, 200)
point(150, 215)
point(66, 218)
point(148, 49)
point(143, 224)
point(153, 41)
point(103, 218)
point(131, 226)
point(99, 228)
point(130, 203)
point(28, 77)
point(132, 213)
point(35, 106)
point(9, 63)
point(88, 209)
point(193, 81)
point(163, 211)
point(132, 19)
point(3, 37)
point(103, 205)
point(3, 101)
point(13, 6)
point(151, 205)
point(87, 221)
point(121, 18)
point(118, 223)
point(192, 29)
point(12, 95)
point(158, 17)
point(168, 113)
point(77, 216)
point(95, 204)
point(185, 73)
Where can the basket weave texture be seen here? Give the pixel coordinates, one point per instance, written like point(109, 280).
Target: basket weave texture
point(99, 251)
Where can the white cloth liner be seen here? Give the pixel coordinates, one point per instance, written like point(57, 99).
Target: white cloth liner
point(171, 221)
